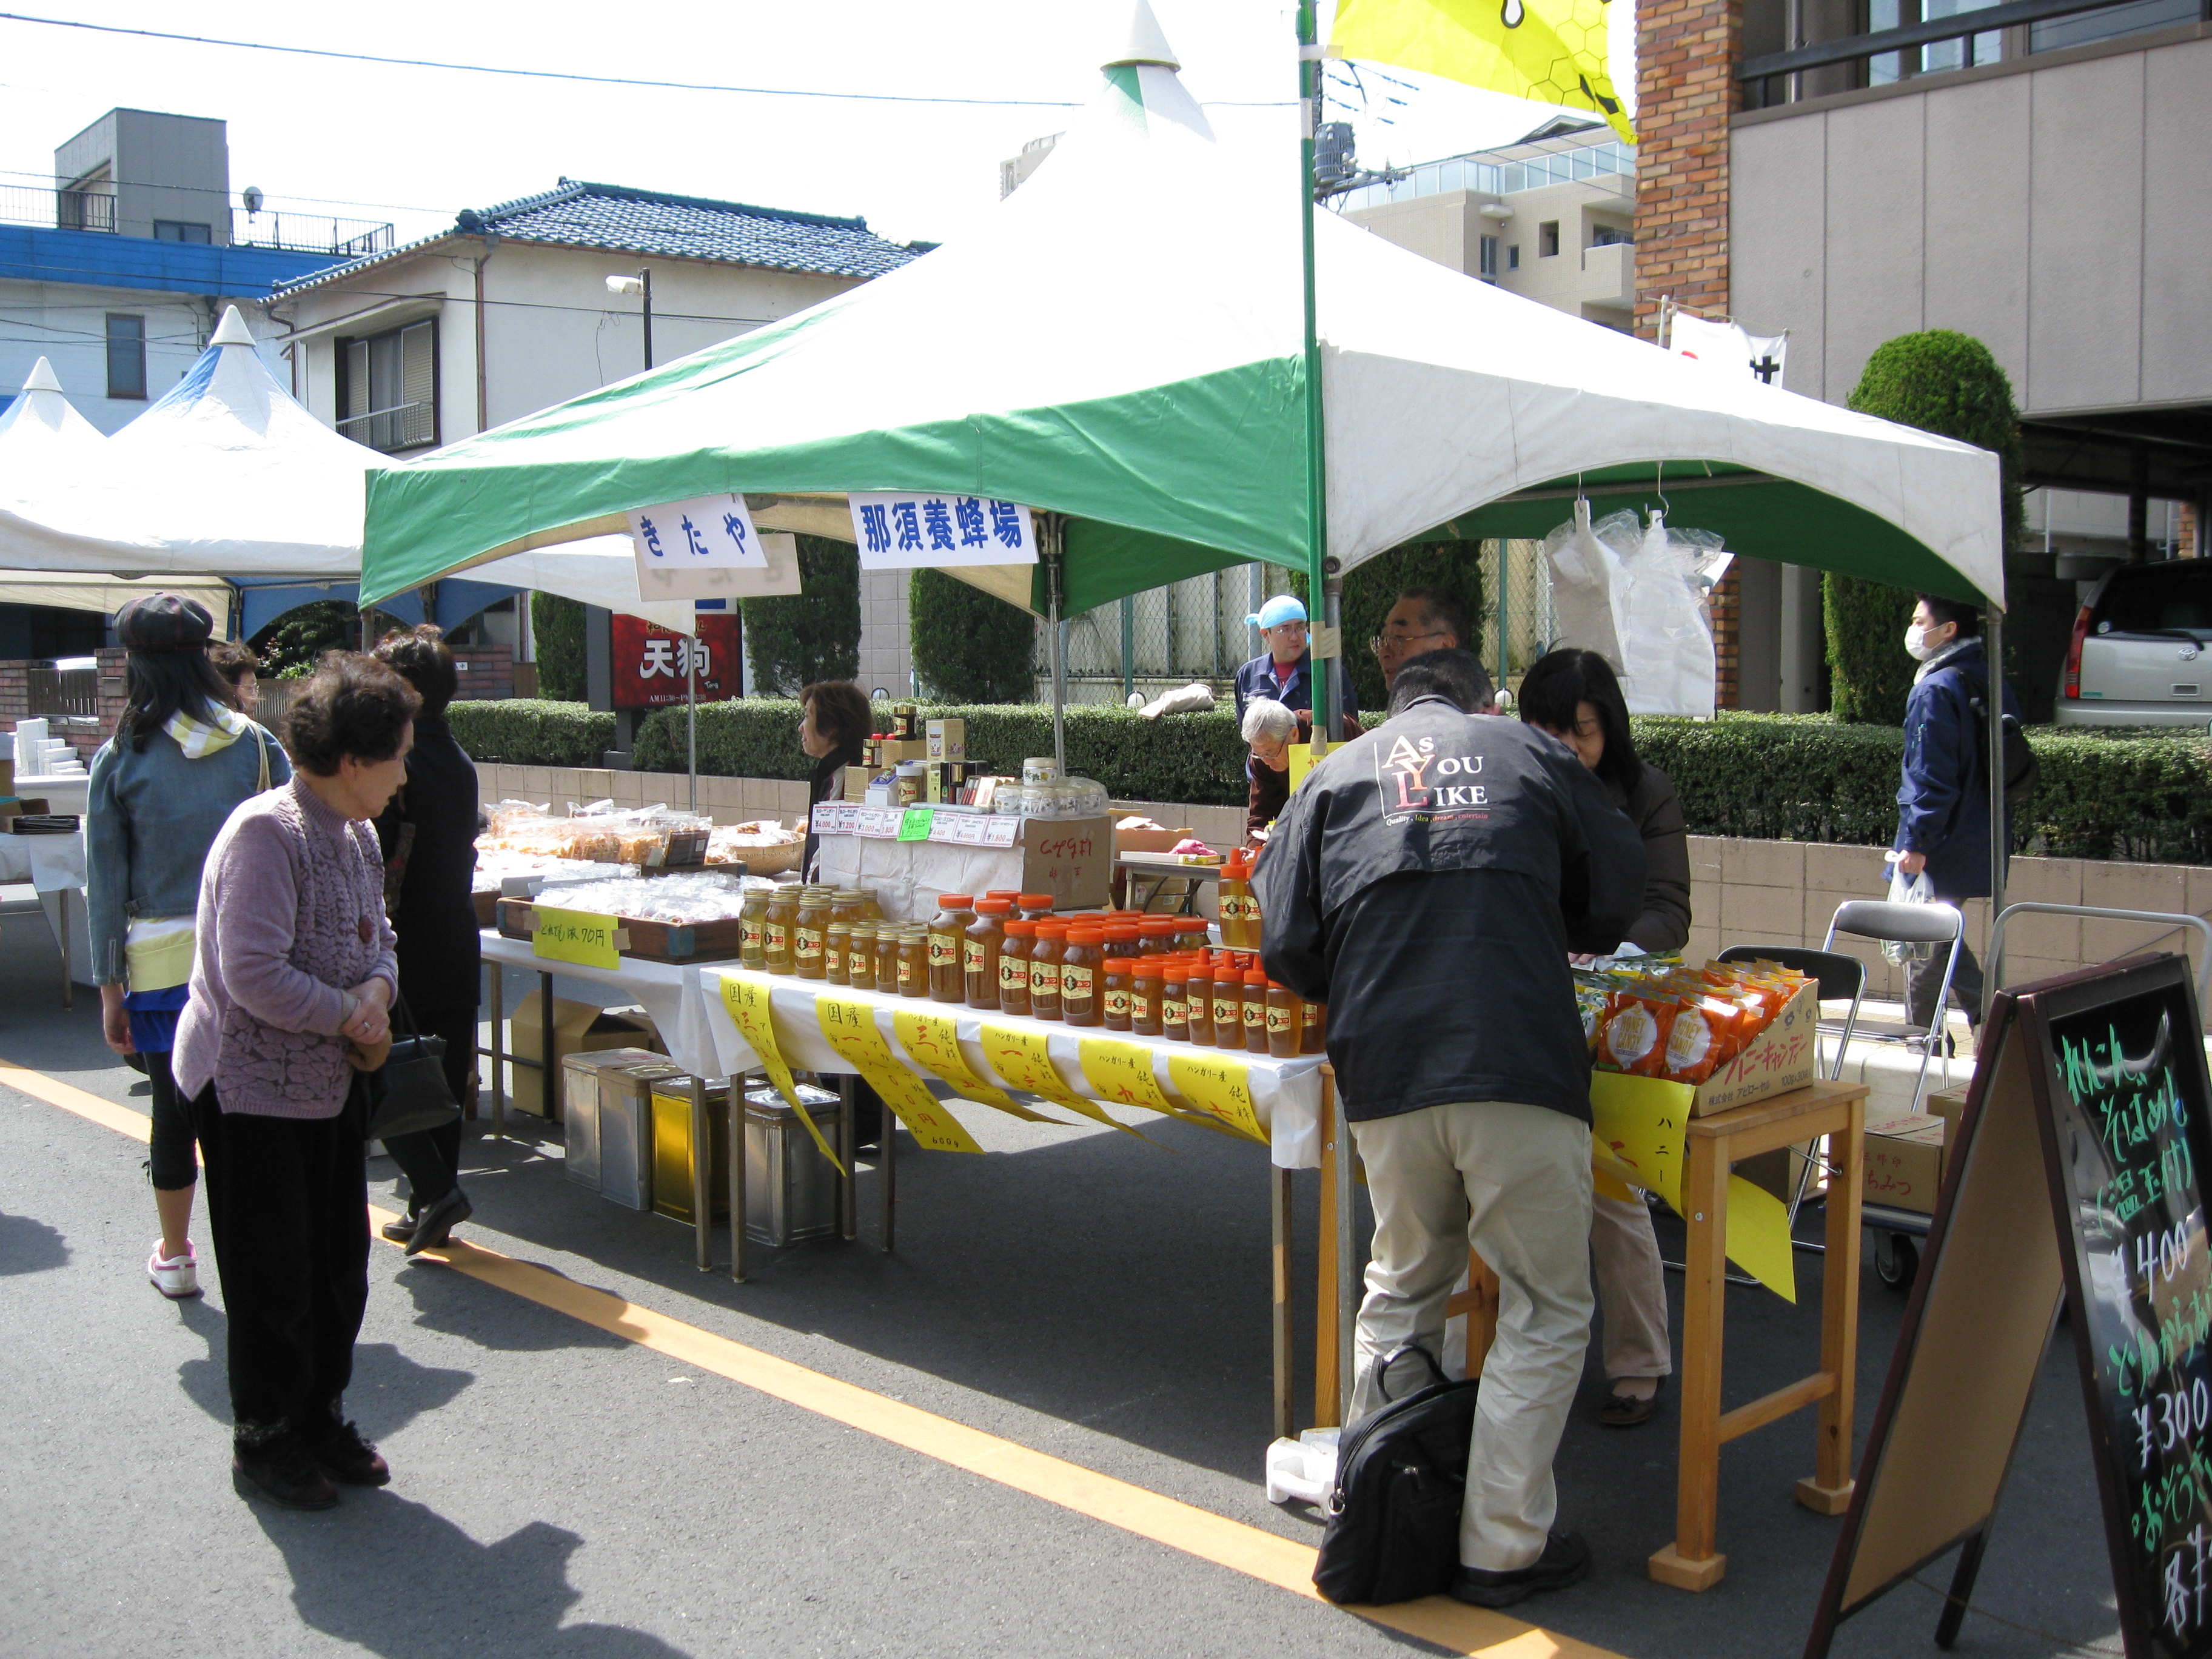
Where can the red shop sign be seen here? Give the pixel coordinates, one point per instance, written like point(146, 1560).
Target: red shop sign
point(650, 661)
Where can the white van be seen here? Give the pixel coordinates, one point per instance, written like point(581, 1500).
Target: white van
point(2138, 655)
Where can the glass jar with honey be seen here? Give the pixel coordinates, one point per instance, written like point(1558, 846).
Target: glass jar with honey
point(914, 961)
point(1124, 938)
point(980, 952)
point(888, 937)
point(1034, 907)
point(1014, 967)
point(1044, 968)
point(1174, 1003)
point(948, 938)
point(836, 952)
point(860, 955)
point(1316, 1038)
point(1286, 1020)
point(1082, 962)
point(1254, 1010)
point(1158, 933)
point(1114, 993)
point(809, 934)
point(782, 921)
point(1190, 932)
point(752, 929)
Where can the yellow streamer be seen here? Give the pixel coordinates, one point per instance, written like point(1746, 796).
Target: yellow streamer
point(1122, 1072)
point(934, 1042)
point(746, 997)
point(1221, 1086)
point(849, 1027)
point(1023, 1059)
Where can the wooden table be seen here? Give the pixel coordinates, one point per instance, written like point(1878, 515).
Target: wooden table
point(1838, 1111)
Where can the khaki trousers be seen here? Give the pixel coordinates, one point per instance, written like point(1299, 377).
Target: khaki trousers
point(1631, 1288)
point(1513, 1182)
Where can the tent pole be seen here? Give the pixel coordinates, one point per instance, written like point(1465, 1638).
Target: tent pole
point(691, 714)
point(1051, 544)
point(1326, 702)
point(2000, 841)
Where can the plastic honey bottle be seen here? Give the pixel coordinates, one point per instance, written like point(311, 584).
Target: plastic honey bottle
point(1082, 964)
point(1014, 967)
point(1044, 968)
point(980, 951)
point(948, 940)
point(1174, 1003)
point(1236, 902)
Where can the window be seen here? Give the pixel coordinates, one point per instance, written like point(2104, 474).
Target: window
point(1490, 258)
point(126, 355)
point(1513, 255)
point(179, 230)
point(388, 388)
point(1607, 235)
point(1547, 238)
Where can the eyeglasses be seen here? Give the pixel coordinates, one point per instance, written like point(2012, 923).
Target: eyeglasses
point(1376, 644)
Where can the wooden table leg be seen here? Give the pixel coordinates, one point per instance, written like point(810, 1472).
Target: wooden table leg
point(1329, 1395)
point(1691, 1562)
point(1828, 1491)
point(1479, 1303)
point(1279, 1215)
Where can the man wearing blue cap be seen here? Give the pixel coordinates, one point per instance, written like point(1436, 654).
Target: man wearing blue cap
point(1285, 671)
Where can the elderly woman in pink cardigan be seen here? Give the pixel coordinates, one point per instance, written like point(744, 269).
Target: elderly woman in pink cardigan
point(291, 993)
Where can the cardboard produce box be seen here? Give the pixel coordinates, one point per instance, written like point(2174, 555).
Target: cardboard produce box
point(1148, 841)
point(577, 1028)
point(1905, 1162)
point(1949, 1104)
point(945, 740)
point(1783, 1057)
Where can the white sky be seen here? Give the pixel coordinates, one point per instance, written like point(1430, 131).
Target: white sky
point(415, 145)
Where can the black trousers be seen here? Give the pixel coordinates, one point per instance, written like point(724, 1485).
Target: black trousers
point(289, 1201)
point(431, 1161)
point(171, 1159)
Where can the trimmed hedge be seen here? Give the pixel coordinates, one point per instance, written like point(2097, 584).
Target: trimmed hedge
point(2139, 796)
point(969, 645)
point(558, 626)
point(528, 732)
point(793, 640)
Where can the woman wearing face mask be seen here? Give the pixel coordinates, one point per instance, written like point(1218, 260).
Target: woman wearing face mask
point(1943, 802)
point(1574, 696)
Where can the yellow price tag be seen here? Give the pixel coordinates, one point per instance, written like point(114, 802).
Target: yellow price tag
point(1222, 1087)
point(850, 1028)
point(1023, 1059)
point(576, 936)
point(746, 997)
point(1302, 761)
point(1122, 1072)
point(934, 1042)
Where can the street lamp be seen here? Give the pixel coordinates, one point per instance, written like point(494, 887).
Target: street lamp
point(641, 285)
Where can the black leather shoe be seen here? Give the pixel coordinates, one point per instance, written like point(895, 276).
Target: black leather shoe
point(432, 1226)
point(1565, 1560)
point(283, 1473)
point(1625, 1411)
point(342, 1453)
point(400, 1230)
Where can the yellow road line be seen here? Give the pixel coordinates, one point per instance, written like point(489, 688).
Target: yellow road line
point(1282, 1562)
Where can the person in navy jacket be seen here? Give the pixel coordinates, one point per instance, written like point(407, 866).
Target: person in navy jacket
point(1943, 802)
point(1284, 671)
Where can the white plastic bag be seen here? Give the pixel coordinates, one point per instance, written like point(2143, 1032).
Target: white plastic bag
point(1666, 627)
point(1582, 570)
point(1907, 889)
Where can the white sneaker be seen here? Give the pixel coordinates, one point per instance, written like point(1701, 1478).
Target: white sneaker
point(178, 1277)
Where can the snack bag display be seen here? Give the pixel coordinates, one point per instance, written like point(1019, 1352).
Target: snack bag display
point(1706, 1034)
point(1633, 1035)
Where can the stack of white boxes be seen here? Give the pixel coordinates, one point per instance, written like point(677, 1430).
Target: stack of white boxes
point(38, 756)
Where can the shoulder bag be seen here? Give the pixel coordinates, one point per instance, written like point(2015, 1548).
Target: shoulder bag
point(1393, 1530)
point(408, 1093)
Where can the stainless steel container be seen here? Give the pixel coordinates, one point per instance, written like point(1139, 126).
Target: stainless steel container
point(625, 1124)
point(581, 1093)
point(791, 1190)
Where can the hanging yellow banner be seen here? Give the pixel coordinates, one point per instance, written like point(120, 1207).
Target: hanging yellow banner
point(746, 997)
point(1023, 1059)
point(934, 1042)
point(1122, 1072)
point(849, 1027)
point(1220, 1085)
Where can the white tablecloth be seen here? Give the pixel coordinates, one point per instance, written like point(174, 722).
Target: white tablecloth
point(669, 990)
point(1285, 1093)
point(47, 862)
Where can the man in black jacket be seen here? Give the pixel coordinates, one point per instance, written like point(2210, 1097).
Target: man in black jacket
point(1427, 882)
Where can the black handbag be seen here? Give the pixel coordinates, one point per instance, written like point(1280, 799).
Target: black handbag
point(408, 1094)
point(1393, 1531)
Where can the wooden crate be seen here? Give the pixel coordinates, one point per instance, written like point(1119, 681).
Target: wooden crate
point(636, 936)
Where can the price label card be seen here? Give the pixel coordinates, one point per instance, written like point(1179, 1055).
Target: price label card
point(1023, 1059)
point(1122, 1072)
point(850, 1029)
point(915, 824)
point(746, 997)
point(1001, 830)
point(1220, 1085)
point(934, 1042)
point(576, 936)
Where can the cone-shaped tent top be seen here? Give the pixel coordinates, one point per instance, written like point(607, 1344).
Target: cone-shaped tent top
point(42, 416)
point(1122, 342)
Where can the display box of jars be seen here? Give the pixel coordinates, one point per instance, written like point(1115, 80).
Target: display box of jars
point(694, 917)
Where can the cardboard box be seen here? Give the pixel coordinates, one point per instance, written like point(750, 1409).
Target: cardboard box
point(1148, 841)
point(857, 779)
point(1780, 1058)
point(1905, 1162)
point(946, 740)
point(1949, 1104)
point(577, 1028)
point(1071, 859)
point(904, 749)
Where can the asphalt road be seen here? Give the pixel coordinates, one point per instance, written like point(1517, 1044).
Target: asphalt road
point(560, 1491)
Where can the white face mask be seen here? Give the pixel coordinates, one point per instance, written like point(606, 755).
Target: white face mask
point(1916, 646)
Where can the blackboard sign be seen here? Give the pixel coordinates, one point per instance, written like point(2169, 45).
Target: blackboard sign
point(2076, 1172)
point(2127, 1136)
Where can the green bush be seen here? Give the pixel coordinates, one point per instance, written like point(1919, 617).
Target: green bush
point(2135, 795)
point(1195, 757)
point(970, 645)
point(529, 731)
point(794, 641)
point(556, 629)
point(292, 645)
point(1372, 589)
point(1940, 382)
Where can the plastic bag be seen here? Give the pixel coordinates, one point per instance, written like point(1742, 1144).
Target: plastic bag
point(1907, 889)
point(1584, 569)
point(1669, 665)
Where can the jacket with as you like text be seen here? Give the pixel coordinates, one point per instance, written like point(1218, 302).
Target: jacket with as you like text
point(1427, 882)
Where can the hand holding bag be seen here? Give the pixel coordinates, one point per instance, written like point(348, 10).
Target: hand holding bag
point(408, 1093)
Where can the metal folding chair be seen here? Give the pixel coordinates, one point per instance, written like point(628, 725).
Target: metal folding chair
point(1905, 924)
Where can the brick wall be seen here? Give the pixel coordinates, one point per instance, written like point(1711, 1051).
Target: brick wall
point(1728, 616)
point(15, 700)
point(1686, 55)
point(485, 672)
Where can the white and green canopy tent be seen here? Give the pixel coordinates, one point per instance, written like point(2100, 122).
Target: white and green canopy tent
point(1121, 344)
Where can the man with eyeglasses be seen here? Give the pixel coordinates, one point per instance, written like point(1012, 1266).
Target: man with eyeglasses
point(1284, 671)
point(1423, 619)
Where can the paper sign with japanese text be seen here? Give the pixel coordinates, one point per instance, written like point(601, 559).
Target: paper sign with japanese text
point(576, 936)
point(1122, 1072)
point(1023, 1059)
point(915, 824)
point(651, 667)
point(747, 997)
point(849, 1027)
point(1220, 1085)
point(902, 530)
point(693, 550)
point(932, 1041)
